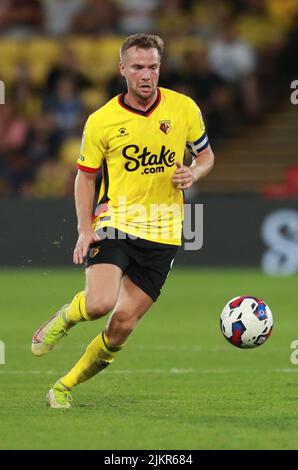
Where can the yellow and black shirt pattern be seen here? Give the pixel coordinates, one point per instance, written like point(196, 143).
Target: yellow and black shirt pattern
point(137, 152)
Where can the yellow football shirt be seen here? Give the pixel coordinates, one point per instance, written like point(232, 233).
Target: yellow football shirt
point(137, 152)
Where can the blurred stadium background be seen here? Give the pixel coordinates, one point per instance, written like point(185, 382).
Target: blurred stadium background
point(237, 59)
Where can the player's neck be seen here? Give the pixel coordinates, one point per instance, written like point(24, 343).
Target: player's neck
point(138, 102)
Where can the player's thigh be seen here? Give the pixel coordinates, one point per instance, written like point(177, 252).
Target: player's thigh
point(132, 302)
point(103, 282)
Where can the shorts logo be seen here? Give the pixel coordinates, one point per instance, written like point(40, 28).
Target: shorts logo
point(93, 252)
point(165, 126)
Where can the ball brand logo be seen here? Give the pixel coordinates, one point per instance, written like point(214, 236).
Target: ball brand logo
point(2, 92)
point(2, 353)
point(151, 162)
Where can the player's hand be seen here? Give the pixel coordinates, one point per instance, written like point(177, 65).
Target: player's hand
point(84, 241)
point(183, 177)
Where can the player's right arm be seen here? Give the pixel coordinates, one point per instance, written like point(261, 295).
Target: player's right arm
point(90, 160)
point(84, 196)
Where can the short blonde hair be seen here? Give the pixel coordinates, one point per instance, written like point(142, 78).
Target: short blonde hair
point(143, 41)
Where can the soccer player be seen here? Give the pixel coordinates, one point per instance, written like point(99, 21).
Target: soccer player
point(128, 245)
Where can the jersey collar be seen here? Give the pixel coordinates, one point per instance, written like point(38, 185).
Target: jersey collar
point(139, 111)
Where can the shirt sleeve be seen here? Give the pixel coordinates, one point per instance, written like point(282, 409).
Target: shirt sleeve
point(92, 148)
point(197, 139)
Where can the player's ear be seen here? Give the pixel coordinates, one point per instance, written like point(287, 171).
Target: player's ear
point(121, 68)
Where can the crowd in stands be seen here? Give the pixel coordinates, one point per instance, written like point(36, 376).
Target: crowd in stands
point(58, 60)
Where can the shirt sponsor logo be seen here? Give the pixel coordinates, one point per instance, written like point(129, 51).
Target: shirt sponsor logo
point(148, 161)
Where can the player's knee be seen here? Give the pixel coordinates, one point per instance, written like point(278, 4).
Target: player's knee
point(97, 309)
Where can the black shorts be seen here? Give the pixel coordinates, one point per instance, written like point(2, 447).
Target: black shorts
point(145, 262)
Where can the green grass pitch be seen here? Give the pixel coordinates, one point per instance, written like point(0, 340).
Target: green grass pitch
point(177, 385)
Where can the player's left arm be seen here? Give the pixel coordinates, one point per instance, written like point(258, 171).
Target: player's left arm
point(184, 176)
point(198, 145)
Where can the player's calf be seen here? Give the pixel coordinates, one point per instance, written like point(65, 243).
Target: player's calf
point(97, 309)
point(120, 327)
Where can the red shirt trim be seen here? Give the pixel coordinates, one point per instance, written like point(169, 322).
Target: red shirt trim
point(87, 169)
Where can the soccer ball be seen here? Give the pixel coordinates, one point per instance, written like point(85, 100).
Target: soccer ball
point(246, 322)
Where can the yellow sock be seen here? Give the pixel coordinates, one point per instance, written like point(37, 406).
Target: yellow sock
point(98, 355)
point(76, 311)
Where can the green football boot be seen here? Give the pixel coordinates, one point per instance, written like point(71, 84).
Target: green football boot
point(48, 335)
point(59, 397)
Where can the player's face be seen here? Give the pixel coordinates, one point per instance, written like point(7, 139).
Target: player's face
point(140, 67)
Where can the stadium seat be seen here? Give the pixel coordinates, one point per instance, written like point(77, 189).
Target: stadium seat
point(82, 48)
point(178, 48)
point(259, 32)
point(283, 12)
point(287, 189)
point(8, 73)
point(275, 191)
point(42, 50)
point(108, 47)
point(38, 72)
point(10, 51)
point(93, 98)
point(54, 179)
point(70, 150)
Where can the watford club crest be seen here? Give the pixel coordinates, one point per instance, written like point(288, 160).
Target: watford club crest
point(165, 126)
